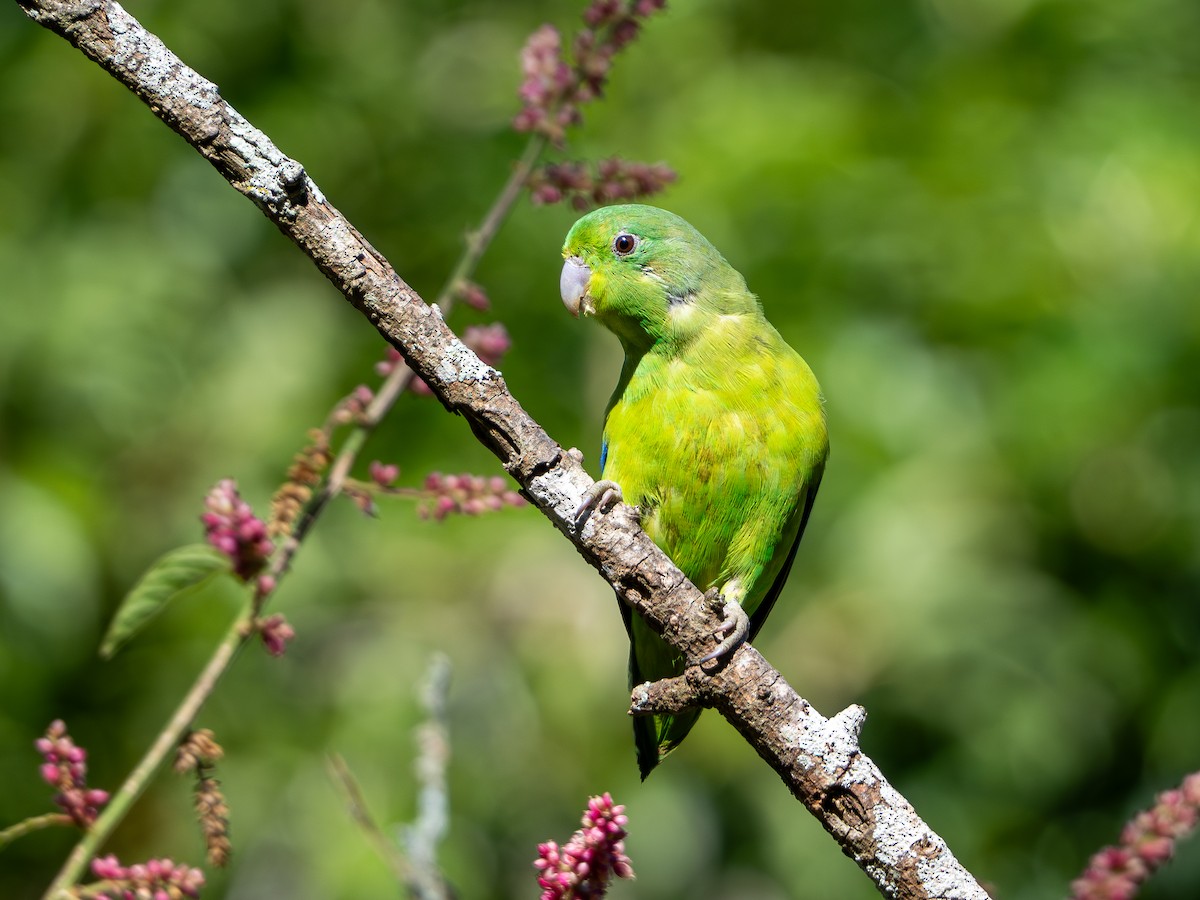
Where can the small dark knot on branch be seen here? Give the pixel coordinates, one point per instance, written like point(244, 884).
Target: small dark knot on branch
point(295, 181)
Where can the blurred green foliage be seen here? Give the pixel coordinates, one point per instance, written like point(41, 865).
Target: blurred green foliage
point(977, 219)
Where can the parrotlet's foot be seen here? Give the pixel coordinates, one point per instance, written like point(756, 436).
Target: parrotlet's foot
point(735, 627)
point(602, 494)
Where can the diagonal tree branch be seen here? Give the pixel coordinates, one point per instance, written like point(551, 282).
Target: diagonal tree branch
point(818, 759)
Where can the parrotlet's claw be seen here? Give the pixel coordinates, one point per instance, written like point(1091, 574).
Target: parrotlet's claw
point(735, 627)
point(600, 495)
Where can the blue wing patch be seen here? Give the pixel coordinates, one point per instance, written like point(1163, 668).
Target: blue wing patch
point(603, 453)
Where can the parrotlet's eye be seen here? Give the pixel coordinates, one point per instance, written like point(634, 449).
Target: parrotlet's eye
point(624, 244)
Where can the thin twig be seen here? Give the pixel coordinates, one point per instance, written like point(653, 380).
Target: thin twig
point(479, 240)
point(33, 823)
point(357, 806)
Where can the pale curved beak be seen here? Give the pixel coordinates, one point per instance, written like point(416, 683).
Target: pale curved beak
point(573, 284)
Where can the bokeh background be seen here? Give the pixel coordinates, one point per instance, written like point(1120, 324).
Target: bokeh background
point(977, 219)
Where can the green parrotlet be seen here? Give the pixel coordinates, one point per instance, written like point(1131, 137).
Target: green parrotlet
point(715, 431)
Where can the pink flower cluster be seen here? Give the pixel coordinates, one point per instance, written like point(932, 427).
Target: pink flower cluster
point(547, 85)
point(614, 180)
point(488, 342)
point(231, 526)
point(552, 90)
point(158, 879)
point(593, 856)
point(470, 495)
point(65, 769)
point(1116, 873)
point(275, 633)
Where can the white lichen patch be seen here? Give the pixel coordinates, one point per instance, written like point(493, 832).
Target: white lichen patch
point(833, 743)
point(560, 489)
point(264, 161)
point(158, 69)
point(896, 828)
point(459, 363)
point(902, 839)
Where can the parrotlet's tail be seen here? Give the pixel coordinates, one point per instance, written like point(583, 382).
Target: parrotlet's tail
point(656, 736)
point(652, 658)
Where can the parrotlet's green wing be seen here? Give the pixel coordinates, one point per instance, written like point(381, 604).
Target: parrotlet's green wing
point(715, 431)
point(768, 603)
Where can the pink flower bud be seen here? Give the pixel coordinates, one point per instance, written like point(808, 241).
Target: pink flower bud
point(383, 475)
point(546, 194)
point(473, 295)
point(275, 633)
point(490, 342)
point(1156, 851)
point(108, 868)
point(392, 358)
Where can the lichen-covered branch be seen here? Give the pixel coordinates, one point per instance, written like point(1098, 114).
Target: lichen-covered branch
point(818, 759)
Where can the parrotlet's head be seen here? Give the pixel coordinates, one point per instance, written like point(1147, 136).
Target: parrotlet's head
point(648, 276)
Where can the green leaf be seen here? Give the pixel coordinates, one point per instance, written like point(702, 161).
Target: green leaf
point(180, 570)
